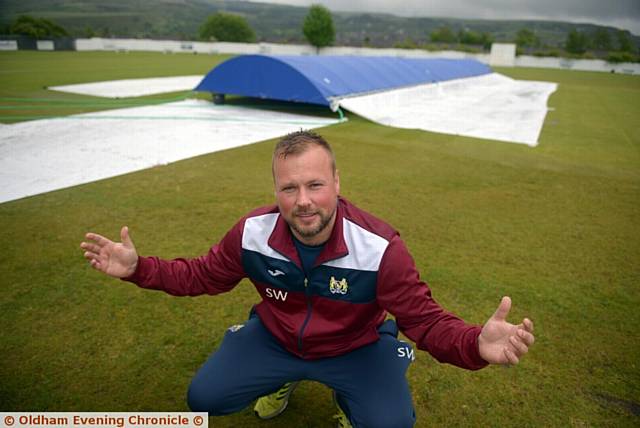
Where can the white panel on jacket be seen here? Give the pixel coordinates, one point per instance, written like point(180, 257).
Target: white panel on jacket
point(365, 249)
point(257, 231)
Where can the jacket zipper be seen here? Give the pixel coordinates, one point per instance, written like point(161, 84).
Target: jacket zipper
point(306, 320)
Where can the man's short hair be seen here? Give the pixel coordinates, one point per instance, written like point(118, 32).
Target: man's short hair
point(299, 142)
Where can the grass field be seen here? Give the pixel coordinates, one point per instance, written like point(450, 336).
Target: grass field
point(24, 77)
point(556, 227)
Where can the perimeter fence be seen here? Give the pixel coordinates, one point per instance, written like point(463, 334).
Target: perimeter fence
point(195, 47)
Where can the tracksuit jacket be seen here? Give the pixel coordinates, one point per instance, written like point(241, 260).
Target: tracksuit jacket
point(363, 272)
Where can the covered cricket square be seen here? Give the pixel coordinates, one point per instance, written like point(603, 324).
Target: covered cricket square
point(326, 79)
point(462, 97)
point(452, 96)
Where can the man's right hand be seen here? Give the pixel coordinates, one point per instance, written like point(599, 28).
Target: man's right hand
point(113, 258)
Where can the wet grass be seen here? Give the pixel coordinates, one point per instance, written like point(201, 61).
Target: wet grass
point(555, 227)
point(26, 75)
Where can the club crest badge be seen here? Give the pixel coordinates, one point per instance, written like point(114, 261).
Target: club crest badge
point(338, 287)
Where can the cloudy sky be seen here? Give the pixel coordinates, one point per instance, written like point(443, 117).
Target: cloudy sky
point(618, 13)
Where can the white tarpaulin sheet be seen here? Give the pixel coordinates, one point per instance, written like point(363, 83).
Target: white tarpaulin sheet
point(490, 106)
point(44, 155)
point(132, 87)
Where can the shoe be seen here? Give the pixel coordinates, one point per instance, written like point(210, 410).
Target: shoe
point(342, 419)
point(272, 405)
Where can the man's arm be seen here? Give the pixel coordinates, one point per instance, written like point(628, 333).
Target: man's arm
point(216, 272)
point(445, 336)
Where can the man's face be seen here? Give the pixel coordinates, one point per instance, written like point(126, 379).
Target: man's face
point(307, 193)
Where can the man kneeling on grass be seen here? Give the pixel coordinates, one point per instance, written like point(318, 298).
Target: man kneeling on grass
point(328, 273)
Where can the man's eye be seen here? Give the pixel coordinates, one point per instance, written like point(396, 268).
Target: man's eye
point(288, 189)
point(316, 185)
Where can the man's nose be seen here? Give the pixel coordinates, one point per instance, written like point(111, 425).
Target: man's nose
point(303, 197)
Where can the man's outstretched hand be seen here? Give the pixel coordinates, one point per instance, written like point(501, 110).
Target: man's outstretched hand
point(501, 342)
point(113, 258)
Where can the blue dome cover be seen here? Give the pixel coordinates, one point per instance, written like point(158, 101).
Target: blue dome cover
point(320, 79)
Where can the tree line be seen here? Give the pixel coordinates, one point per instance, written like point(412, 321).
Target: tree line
point(37, 28)
point(317, 28)
point(579, 43)
point(319, 31)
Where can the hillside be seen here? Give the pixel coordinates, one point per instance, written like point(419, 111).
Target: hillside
point(180, 19)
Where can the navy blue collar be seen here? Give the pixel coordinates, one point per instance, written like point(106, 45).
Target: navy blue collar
point(308, 253)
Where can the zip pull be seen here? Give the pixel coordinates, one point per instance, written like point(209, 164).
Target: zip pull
point(306, 319)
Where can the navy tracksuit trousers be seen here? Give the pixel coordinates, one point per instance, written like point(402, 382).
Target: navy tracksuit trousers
point(370, 382)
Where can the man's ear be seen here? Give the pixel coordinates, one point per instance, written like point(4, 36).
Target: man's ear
point(336, 178)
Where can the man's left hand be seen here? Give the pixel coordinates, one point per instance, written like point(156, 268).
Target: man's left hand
point(501, 342)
